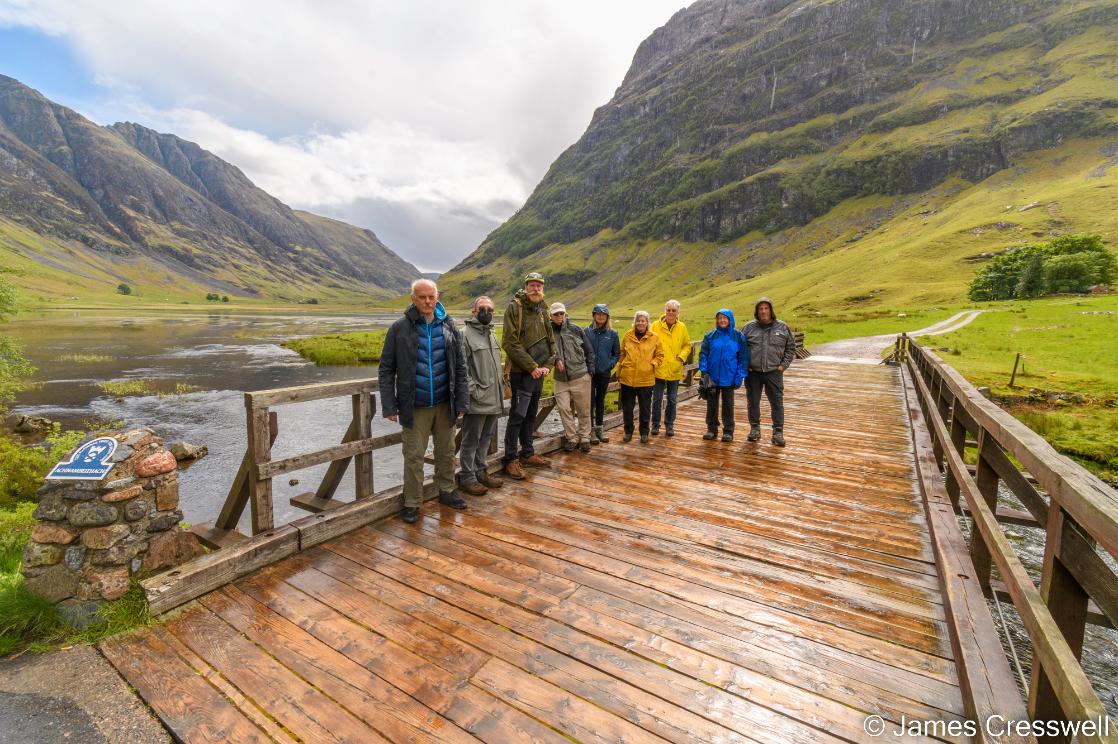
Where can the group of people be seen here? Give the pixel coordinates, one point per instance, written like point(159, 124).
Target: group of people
point(434, 374)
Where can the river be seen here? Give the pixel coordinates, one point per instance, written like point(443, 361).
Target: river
point(220, 353)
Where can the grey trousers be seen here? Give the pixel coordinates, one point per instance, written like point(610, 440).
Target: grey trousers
point(477, 432)
point(438, 422)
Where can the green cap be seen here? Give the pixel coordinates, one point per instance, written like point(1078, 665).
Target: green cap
point(534, 276)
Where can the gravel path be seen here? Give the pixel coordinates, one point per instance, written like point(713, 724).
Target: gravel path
point(71, 696)
point(869, 348)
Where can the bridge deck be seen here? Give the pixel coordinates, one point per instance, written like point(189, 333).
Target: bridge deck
point(681, 591)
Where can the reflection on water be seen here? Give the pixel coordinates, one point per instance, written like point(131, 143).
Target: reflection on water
point(220, 354)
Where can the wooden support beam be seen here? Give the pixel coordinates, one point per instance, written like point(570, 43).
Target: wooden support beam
point(363, 461)
point(216, 538)
point(237, 498)
point(303, 393)
point(259, 488)
point(178, 586)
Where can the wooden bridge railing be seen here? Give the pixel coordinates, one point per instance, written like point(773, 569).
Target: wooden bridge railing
point(1079, 516)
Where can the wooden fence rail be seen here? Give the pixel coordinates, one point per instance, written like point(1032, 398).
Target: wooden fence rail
point(1079, 515)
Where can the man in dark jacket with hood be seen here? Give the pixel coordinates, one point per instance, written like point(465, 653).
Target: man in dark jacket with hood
point(607, 350)
point(423, 385)
point(771, 351)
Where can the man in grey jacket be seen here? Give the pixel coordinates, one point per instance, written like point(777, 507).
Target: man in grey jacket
point(572, 379)
point(487, 400)
point(771, 351)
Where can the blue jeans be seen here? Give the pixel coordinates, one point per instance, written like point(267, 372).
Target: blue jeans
point(672, 387)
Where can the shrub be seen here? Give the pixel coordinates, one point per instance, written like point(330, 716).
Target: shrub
point(213, 297)
point(123, 289)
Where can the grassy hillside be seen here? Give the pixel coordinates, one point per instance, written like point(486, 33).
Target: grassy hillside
point(868, 258)
point(54, 272)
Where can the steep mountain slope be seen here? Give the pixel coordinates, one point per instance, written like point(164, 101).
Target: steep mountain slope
point(137, 197)
point(799, 141)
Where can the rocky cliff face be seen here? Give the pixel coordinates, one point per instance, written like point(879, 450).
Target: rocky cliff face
point(744, 116)
point(128, 190)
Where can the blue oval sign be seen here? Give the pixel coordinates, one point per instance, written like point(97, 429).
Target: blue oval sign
point(90, 462)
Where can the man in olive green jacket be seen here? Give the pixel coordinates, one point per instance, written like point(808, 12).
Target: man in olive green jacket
point(529, 344)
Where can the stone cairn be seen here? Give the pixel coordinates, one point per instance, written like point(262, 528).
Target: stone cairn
point(91, 537)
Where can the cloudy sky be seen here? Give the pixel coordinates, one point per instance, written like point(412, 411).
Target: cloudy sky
point(429, 121)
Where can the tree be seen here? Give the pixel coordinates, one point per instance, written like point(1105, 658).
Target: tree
point(225, 298)
point(1072, 272)
point(1031, 283)
point(212, 297)
point(123, 289)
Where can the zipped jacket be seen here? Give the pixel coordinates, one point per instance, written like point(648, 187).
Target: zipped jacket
point(400, 357)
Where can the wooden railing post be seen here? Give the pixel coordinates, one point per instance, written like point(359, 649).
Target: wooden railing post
point(959, 442)
point(260, 447)
point(1067, 601)
point(986, 478)
point(363, 462)
point(237, 498)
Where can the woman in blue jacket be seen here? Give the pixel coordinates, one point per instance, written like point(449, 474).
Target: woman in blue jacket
point(724, 362)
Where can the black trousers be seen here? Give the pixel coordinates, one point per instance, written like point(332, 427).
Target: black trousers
point(629, 397)
point(523, 407)
point(726, 394)
point(773, 385)
point(598, 385)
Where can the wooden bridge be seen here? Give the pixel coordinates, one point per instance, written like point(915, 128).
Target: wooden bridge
point(679, 591)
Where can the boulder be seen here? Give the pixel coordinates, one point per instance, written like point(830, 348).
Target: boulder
point(53, 583)
point(156, 464)
point(37, 554)
point(21, 424)
point(171, 549)
point(109, 583)
point(92, 514)
point(48, 533)
point(100, 538)
point(186, 451)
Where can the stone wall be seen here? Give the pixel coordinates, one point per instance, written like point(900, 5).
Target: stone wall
point(92, 537)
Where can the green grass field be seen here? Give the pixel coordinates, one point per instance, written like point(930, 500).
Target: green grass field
point(357, 348)
point(1067, 346)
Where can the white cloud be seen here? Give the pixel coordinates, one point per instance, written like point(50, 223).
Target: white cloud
point(440, 107)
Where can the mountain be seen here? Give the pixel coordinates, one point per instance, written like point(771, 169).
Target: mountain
point(125, 202)
point(839, 154)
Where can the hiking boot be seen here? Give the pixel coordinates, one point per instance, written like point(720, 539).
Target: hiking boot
point(411, 514)
point(628, 437)
point(602, 436)
point(535, 461)
point(584, 448)
point(490, 480)
point(669, 432)
point(727, 437)
point(513, 470)
point(754, 433)
point(594, 436)
point(644, 439)
point(452, 499)
point(475, 489)
point(569, 446)
point(655, 431)
point(710, 435)
point(778, 437)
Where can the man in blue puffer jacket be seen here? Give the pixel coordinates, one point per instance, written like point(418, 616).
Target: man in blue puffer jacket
point(423, 384)
point(724, 363)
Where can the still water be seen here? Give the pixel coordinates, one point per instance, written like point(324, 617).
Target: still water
point(222, 355)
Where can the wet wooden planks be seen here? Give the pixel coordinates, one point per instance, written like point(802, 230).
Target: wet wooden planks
point(684, 591)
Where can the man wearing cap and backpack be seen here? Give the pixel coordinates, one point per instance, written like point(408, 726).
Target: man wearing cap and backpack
point(572, 379)
point(607, 350)
point(529, 345)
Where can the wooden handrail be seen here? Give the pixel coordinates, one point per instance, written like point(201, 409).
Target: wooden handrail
point(1080, 513)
